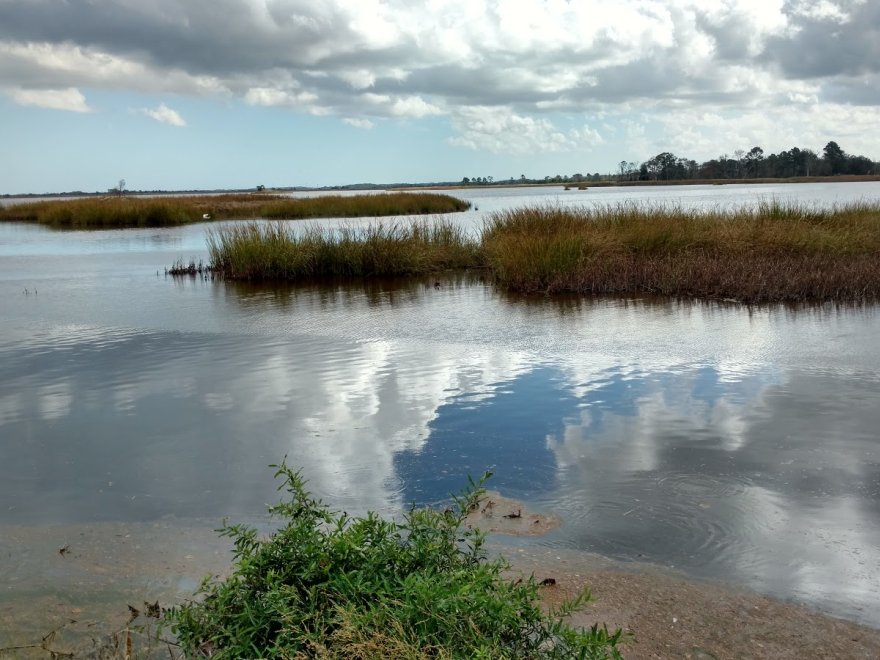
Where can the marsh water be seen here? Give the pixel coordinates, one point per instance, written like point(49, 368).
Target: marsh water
point(138, 410)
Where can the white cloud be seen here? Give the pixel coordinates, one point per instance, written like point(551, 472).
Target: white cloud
point(70, 99)
point(500, 130)
point(359, 79)
point(414, 107)
point(61, 64)
point(505, 73)
point(821, 9)
point(165, 115)
point(358, 122)
point(269, 96)
point(696, 133)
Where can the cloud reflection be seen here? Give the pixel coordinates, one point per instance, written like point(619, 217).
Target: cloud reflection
point(759, 477)
point(687, 435)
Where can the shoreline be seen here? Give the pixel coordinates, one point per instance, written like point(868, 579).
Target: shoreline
point(673, 615)
point(84, 593)
point(397, 187)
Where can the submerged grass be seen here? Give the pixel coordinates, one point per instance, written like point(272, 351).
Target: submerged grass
point(162, 211)
point(772, 252)
point(327, 585)
point(272, 251)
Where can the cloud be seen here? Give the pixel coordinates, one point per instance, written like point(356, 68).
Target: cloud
point(70, 99)
point(358, 122)
point(525, 62)
point(827, 39)
point(695, 133)
point(165, 115)
point(271, 96)
point(500, 130)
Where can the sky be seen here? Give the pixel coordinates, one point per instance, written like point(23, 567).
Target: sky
point(210, 94)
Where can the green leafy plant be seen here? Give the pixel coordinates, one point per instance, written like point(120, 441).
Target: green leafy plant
point(328, 585)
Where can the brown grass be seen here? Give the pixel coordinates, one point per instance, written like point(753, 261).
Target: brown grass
point(774, 252)
point(162, 211)
point(271, 251)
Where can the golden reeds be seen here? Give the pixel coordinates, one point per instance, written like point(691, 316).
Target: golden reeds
point(771, 252)
point(161, 211)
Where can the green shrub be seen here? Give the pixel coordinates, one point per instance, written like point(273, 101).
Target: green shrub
point(328, 585)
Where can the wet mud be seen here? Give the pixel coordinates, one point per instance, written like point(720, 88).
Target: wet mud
point(94, 591)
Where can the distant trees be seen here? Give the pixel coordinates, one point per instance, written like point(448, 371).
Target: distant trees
point(834, 157)
point(861, 165)
point(119, 190)
point(837, 161)
point(794, 162)
point(627, 171)
point(477, 180)
point(752, 164)
point(667, 166)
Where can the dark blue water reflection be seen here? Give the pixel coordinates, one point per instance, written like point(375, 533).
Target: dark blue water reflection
point(504, 434)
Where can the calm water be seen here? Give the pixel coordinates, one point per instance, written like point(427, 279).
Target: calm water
point(727, 442)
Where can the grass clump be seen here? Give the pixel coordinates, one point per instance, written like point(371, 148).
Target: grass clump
point(164, 211)
point(326, 585)
point(361, 206)
point(771, 252)
point(272, 251)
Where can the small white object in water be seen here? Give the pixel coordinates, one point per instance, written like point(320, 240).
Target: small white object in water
point(206, 216)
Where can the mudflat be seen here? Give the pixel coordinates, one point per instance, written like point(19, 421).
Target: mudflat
point(669, 615)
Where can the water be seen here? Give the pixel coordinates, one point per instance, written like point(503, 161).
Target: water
point(727, 442)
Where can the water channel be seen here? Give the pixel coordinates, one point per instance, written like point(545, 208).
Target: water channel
point(138, 410)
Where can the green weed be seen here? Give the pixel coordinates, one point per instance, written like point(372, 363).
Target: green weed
point(327, 585)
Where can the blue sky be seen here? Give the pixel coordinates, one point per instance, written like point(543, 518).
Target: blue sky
point(174, 94)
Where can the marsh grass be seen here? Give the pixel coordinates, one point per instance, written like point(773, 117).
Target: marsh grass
point(274, 251)
point(328, 585)
point(772, 252)
point(164, 211)
point(360, 206)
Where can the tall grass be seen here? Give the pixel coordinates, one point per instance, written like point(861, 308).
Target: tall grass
point(273, 251)
point(772, 252)
point(359, 206)
point(327, 585)
point(134, 211)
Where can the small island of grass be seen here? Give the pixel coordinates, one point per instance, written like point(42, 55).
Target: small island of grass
point(773, 252)
point(128, 211)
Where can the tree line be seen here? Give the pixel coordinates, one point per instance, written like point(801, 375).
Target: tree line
point(751, 164)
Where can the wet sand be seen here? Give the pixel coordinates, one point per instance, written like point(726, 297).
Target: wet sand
point(665, 613)
point(67, 589)
point(80, 598)
point(669, 615)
